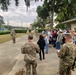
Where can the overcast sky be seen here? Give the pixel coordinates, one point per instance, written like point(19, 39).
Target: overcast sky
point(19, 14)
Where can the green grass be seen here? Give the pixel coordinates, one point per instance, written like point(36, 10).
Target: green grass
point(7, 37)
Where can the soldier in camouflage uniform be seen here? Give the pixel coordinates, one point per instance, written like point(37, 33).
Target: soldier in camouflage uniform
point(29, 49)
point(13, 35)
point(66, 55)
point(74, 41)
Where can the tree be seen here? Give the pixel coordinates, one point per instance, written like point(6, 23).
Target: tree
point(67, 11)
point(60, 17)
point(42, 13)
point(5, 3)
point(1, 21)
point(53, 6)
point(37, 23)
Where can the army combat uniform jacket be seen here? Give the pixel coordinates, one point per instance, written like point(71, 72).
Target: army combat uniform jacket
point(67, 54)
point(29, 49)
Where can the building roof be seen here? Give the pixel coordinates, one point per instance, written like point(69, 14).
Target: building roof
point(69, 21)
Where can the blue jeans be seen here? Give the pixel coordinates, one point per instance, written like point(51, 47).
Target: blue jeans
point(46, 47)
point(58, 45)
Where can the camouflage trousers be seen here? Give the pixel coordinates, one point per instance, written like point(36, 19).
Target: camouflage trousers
point(64, 70)
point(31, 67)
point(13, 39)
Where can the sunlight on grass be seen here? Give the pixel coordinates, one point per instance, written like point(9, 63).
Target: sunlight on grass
point(7, 37)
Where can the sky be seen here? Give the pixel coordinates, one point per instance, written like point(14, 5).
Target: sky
point(19, 16)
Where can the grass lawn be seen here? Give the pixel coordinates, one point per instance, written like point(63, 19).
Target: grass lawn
point(7, 37)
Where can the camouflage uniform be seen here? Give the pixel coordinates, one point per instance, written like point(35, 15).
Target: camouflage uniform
point(67, 56)
point(29, 49)
point(13, 35)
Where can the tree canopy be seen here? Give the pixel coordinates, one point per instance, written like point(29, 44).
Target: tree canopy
point(52, 6)
point(5, 3)
point(42, 12)
point(64, 9)
point(67, 11)
point(38, 23)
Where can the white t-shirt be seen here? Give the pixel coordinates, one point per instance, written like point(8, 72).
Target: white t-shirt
point(47, 40)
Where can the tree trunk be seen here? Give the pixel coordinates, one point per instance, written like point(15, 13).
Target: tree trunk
point(43, 23)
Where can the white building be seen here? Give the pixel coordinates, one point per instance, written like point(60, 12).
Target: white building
point(71, 22)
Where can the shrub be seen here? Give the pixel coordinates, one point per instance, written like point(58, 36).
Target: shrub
point(8, 32)
point(40, 30)
point(29, 30)
point(4, 32)
point(20, 31)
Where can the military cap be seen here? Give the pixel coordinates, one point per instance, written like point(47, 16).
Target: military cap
point(67, 34)
point(30, 36)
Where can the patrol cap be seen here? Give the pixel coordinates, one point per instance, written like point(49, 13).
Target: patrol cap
point(30, 36)
point(67, 34)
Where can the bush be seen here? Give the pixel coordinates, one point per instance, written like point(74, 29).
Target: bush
point(40, 30)
point(8, 32)
point(29, 30)
point(20, 31)
point(4, 32)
